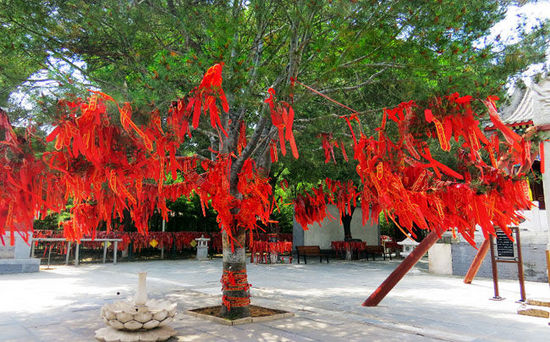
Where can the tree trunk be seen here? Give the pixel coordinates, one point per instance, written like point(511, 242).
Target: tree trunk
point(346, 222)
point(236, 294)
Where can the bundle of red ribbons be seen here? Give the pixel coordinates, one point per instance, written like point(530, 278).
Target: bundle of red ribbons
point(402, 178)
point(105, 169)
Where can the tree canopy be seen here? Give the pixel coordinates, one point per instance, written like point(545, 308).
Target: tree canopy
point(368, 54)
point(152, 52)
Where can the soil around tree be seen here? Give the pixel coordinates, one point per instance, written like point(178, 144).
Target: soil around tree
point(255, 311)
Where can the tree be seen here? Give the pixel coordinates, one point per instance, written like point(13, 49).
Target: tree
point(106, 169)
point(152, 53)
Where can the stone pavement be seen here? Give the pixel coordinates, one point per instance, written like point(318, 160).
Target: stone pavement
point(63, 304)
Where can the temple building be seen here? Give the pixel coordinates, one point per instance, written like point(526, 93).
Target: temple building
point(529, 107)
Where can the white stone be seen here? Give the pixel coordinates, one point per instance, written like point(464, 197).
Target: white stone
point(108, 314)
point(109, 334)
point(202, 248)
point(440, 259)
point(159, 316)
point(408, 246)
point(124, 317)
point(141, 293)
point(151, 324)
point(116, 324)
point(133, 325)
point(15, 259)
point(20, 250)
point(166, 321)
point(143, 317)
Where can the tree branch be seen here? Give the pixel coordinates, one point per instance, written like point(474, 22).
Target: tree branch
point(370, 80)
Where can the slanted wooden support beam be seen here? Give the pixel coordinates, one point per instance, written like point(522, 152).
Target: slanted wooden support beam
point(476, 263)
point(404, 267)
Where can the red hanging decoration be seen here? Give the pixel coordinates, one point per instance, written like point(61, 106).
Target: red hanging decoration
point(541, 153)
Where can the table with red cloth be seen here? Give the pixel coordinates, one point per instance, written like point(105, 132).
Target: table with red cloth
point(263, 250)
point(355, 247)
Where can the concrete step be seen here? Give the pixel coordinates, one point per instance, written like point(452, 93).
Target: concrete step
point(534, 311)
point(539, 302)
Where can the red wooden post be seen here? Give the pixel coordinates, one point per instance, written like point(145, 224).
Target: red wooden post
point(476, 263)
point(495, 270)
point(404, 267)
point(520, 269)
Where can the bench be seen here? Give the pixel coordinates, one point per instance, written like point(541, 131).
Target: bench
point(375, 250)
point(306, 251)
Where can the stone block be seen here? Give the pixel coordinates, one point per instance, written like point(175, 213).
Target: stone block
point(7, 251)
point(8, 266)
point(20, 250)
point(533, 312)
point(440, 259)
point(539, 301)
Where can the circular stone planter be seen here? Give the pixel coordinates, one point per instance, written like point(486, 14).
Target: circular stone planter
point(108, 334)
point(125, 315)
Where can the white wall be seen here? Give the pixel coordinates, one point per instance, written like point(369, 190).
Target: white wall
point(330, 231)
point(440, 259)
point(535, 219)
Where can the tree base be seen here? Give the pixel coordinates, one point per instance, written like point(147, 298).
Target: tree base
point(257, 314)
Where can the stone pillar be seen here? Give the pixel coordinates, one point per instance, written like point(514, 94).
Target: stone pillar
point(546, 188)
point(440, 258)
point(541, 118)
point(15, 259)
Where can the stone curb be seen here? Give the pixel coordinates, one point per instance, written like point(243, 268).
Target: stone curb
point(240, 321)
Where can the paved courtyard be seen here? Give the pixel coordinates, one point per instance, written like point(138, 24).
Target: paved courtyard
point(62, 304)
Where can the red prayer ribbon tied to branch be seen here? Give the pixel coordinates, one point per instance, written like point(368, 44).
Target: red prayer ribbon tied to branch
point(107, 169)
point(282, 117)
point(328, 143)
point(235, 281)
point(403, 179)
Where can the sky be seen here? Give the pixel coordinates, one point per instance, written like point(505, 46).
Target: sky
point(531, 14)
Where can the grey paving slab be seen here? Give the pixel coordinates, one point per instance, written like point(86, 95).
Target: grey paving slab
point(14, 333)
point(63, 304)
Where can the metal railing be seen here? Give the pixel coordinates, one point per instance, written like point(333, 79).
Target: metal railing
point(77, 249)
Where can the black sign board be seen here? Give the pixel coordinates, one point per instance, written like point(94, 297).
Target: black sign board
point(507, 254)
point(505, 246)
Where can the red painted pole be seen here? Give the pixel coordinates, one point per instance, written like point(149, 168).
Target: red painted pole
point(495, 270)
point(404, 267)
point(520, 268)
point(476, 263)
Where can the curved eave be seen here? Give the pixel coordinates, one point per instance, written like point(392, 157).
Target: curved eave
point(513, 125)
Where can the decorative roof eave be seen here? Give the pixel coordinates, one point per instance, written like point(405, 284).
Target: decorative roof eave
point(513, 125)
point(529, 107)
